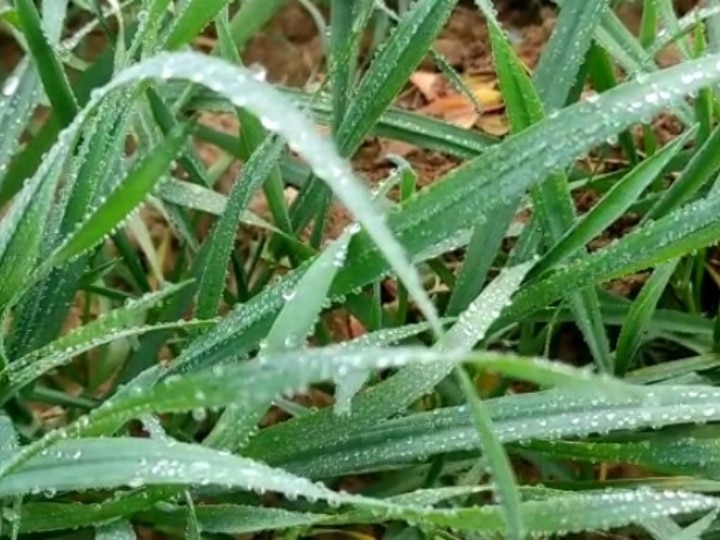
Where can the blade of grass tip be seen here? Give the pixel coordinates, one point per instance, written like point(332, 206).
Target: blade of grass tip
point(496, 458)
point(289, 331)
point(639, 315)
point(551, 199)
point(473, 323)
point(54, 79)
point(122, 201)
point(562, 57)
point(611, 207)
point(222, 238)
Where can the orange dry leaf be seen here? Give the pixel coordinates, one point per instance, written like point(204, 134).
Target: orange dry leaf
point(454, 107)
point(429, 84)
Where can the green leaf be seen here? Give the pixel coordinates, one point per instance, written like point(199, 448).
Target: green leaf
point(391, 69)
point(121, 202)
point(497, 460)
point(191, 20)
point(563, 55)
point(50, 70)
point(638, 318)
point(294, 323)
point(222, 238)
point(611, 207)
point(561, 413)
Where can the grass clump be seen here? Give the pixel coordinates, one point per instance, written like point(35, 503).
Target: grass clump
point(193, 386)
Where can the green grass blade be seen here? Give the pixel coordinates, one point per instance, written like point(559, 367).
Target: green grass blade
point(474, 322)
point(551, 199)
point(560, 62)
point(50, 70)
point(497, 460)
point(289, 331)
point(122, 201)
point(222, 238)
point(638, 318)
point(192, 19)
point(391, 69)
point(562, 413)
point(685, 230)
point(611, 207)
point(703, 164)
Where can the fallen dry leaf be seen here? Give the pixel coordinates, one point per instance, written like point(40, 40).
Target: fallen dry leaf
point(493, 124)
point(428, 84)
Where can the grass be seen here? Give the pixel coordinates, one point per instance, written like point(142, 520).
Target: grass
point(153, 388)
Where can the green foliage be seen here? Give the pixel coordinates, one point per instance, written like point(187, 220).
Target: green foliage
point(206, 341)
